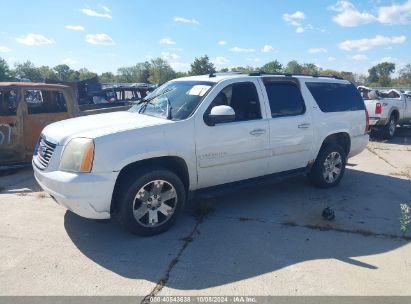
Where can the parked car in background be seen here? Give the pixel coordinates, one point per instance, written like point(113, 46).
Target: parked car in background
point(386, 109)
point(26, 108)
point(198, 133)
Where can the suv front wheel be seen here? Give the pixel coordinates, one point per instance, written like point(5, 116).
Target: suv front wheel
point(151, 201)
point(329, 166)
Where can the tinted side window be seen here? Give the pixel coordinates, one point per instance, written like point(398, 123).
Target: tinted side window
point(44, 101)
point(336, 97)
point(243, 98)
point(8, 102)
point(285, 99)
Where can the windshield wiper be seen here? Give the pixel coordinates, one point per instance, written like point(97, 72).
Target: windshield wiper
point(146, 101)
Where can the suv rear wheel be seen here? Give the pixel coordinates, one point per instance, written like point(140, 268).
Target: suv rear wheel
point(151, 201)
point(329, 166)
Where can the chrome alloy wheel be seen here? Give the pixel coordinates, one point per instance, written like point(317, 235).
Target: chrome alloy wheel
point(332, 167)
point(155, 203)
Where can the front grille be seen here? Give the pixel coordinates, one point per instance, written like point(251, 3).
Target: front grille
point(45, 150)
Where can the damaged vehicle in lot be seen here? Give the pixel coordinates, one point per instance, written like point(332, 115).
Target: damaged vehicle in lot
point(387, 109)
point(26, 108)
point(200, 133)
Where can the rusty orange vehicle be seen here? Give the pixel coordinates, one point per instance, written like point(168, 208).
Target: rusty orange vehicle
point(26, 108)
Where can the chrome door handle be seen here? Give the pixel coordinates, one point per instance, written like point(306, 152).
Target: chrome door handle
point(257, 132)
point(304, 126)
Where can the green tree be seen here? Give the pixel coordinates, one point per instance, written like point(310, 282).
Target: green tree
point(47, 73)
point(202, 66)
point(293, 67)
point(137, 73)
point(27, 70)
point(86, 74)
point(160, 71)
point(64, 73)
point(4, 70)
point(272, 67)
point(310, 69)
point(107, 77)
point(182, 74)
point(404, 78)
point(380, 74)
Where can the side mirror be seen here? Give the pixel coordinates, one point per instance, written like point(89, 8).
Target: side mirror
point(220, 114)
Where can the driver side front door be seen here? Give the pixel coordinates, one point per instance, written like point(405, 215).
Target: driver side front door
point(236, 150)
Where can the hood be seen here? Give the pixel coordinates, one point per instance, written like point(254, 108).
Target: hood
point(94, 126)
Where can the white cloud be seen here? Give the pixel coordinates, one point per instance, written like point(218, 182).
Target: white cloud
point(331, 58)
point(69, 61)
point(74, 27)
point(34, 39)
point(267, 49)
point(220, 60)
point(317, 50)
point(222, 42)
point(299, 30)
point(349, 16)
point(365, 44)
point(359, 57)
point(104, 8)
point(291, 18)
point(169, 56)
point(185, 20)
point(168, 41)
point(102, 39)
point(4, 49)
point(237, 49)
point(395, 14)
point(90, 12)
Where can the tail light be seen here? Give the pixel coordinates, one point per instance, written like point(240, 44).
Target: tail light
point(378, 108)
point(367, 122)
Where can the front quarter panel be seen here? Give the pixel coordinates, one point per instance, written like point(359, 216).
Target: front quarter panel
point(115, 151)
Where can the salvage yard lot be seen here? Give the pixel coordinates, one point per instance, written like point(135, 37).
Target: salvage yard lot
point(262, 240)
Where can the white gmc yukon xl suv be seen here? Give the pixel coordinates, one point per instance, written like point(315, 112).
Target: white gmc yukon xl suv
point(199, 133)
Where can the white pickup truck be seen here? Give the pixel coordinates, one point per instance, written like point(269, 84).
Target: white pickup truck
point(197, 133)
point(386, 109)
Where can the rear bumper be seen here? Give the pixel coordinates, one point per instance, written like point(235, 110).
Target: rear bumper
point(377, 121)
point(88, 195)
point(358, 144)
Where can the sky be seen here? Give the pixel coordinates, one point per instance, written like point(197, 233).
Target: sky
point(104, 35)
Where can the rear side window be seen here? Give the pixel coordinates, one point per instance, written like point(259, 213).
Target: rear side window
point(45, 101)
point(336, 97)
point(285, 99)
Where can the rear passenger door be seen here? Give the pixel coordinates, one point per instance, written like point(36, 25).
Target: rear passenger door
point(291, 132)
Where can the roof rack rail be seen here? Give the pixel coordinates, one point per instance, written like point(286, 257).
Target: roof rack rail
point(261, 73)
point(223, 73)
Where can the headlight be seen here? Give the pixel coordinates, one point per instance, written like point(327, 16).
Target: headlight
point(78, 155)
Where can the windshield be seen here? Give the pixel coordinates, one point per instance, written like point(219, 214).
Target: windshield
point(174, 100)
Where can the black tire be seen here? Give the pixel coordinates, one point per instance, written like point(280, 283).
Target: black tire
point(316, 175)
point(388, 131)
point(132, 184)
